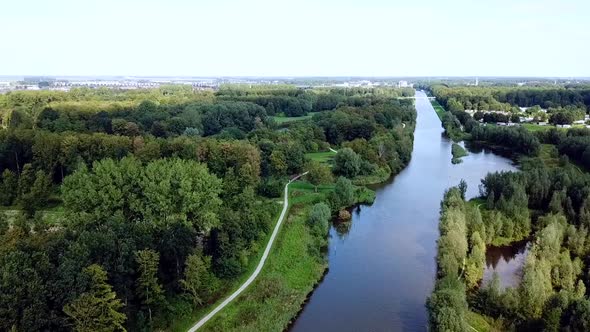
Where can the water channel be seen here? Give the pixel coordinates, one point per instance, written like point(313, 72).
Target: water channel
point(382, 266)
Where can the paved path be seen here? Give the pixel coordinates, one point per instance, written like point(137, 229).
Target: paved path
point(333, 150)
point(235, 294)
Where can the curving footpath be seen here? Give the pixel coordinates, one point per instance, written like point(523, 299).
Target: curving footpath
point(235, 294)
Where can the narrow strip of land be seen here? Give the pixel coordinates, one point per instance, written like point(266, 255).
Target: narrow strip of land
point(235, 294)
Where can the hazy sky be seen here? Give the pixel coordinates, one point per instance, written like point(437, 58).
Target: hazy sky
point(295, 38)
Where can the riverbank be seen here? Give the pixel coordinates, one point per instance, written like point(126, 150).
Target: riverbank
point(294, 267)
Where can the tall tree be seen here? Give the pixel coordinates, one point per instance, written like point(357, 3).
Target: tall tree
point(318, 174)
point(198, 280)
point(99, 308)
point(148, 286)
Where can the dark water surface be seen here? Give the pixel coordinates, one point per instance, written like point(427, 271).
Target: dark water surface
point(381, 265)
point(507, 262)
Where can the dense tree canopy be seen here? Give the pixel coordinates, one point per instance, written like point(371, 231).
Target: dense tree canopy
point(139, 207)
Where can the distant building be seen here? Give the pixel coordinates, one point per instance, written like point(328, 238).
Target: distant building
point(402, 84)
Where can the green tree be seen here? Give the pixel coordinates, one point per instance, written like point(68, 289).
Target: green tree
point(37, 195)
point(347, 163)
point(344, 193)
point(319, 218)
point(198, 280)
point(148, 287)
point(25, 180)
point(318, 174)
point(99, 308)
point(8, 187)
point(476, 262)
point(278, 162)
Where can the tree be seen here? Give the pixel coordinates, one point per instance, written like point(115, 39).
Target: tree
point(8, 187)
point(462, 188)
point(148, 287)
point(476, 262)
point(99, 308)
point(198, 280)
point(163, 191)
point(347, 163)
point(318, 174)
point(319, 218)
point(278, 163)
point(344, 193)
point(25, 180)
point(37, 195)
point(578, 316)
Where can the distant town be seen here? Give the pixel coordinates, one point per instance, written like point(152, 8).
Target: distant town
point(66, 83)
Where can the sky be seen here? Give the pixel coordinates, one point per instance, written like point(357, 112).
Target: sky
point(295, 37)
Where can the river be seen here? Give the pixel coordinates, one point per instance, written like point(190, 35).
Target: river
point(382, 265)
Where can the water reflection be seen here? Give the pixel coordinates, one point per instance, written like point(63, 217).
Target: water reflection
point(342, 228)
point(507, 262)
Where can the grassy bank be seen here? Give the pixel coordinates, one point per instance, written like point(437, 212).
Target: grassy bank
point(288, 276)
point(458, 152)
point(440, 111)
point(293, 268)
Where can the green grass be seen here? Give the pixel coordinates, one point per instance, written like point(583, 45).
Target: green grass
point(322, 157)
point(288, 276)
point(549, 155)
point(286, 119)
point(53, 216)
point(536, 127)
point(301, 192)
point(482, 323)
point(458, 152)
point(440, 111)
point(282, 119)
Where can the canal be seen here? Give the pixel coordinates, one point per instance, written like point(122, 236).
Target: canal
point(382, 265)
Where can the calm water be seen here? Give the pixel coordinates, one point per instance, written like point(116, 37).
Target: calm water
point(507, 262)
point(381, 265)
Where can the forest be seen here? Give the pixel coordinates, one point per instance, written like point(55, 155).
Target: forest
point(546, 203)
point(136, 209)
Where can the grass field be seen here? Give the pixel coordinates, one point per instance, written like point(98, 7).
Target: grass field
point(286, 119)
point(536, 127)
point(322, 157)
point(437, 108)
